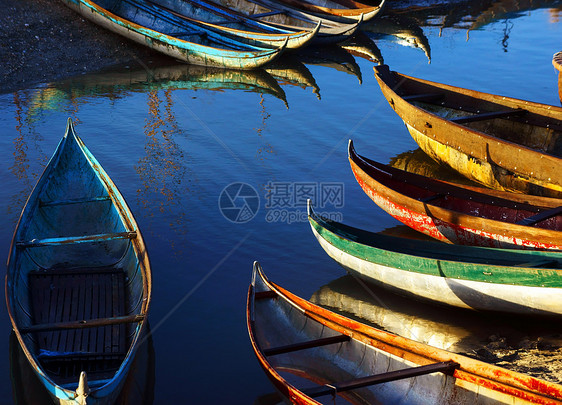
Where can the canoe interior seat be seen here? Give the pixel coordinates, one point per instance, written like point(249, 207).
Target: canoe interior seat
point(73, 201)
point(541, 216)
point(306, 345)
point(446, 367)
point(66, 240)
point(433, 197)
point(260, 15)
point(487, 116)
point(59, 296)
point(426, 97)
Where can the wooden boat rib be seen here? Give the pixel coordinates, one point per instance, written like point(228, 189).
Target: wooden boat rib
point(360, 364)
point(173, 36)
point(456, 214)
point(259, 35)
point(500, 142)
point(480, 278)
point(77, 242)
point(288, 18)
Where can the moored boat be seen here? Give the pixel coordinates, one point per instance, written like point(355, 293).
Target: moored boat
point(285, 17)
point(310, 352)
point(338, 10)
point(479, 278)
point(233, 25)
point(460, 214)
point(176, 37)
point(500, 142)
point(77, 243)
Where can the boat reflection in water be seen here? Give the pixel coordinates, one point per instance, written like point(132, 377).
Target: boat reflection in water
point(398, 28)
point(418, 162)
point(331, 56)
point(509, 341)
point(118, 83)
point(137, 390)
point(290, 71)
point(362, 46)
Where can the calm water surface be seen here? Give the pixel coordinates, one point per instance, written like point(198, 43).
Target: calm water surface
point(174, 144)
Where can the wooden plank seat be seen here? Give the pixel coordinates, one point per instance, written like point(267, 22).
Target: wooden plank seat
point(73, 201)
point(486, 116)
point(541, 216)
point(446, 367)
point(260, 15)
point(425, 97)
point(433, 197)
point(60, 297)
point(306, 345)
point(75, 239)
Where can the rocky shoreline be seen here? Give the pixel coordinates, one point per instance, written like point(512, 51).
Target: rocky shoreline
point(43, 40)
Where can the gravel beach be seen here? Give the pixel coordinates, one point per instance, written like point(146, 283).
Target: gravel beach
point(43, 40)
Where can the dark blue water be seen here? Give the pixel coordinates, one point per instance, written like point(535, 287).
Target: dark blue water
point(173, 146)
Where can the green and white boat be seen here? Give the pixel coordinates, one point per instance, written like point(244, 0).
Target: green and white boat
point(491, 279)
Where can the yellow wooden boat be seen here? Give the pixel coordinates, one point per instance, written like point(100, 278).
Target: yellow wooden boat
point(501, 142)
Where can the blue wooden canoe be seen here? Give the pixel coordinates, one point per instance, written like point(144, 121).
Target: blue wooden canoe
point(78, 283)
point(174, 36)
point(235, 25)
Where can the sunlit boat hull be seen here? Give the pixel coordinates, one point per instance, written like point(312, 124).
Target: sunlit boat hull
point(463, 215)
point(343, 359)
point(513, 145)
point(487, 279)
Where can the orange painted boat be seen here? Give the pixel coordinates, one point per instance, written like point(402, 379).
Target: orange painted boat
point(500, 142)
point(340, 360)
point(460, 214)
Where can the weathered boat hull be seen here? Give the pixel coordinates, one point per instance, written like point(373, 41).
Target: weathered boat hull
point(237, 26)
point(454, 214)
point(75, 236)
point(343, 358)
point(186, 51)
point(513, 146)
point(287, 18)
point(462, 276)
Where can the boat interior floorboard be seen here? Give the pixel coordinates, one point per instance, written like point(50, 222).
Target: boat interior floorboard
point(72, 296)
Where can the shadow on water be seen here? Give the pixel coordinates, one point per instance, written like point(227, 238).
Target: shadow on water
point(137, 390)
